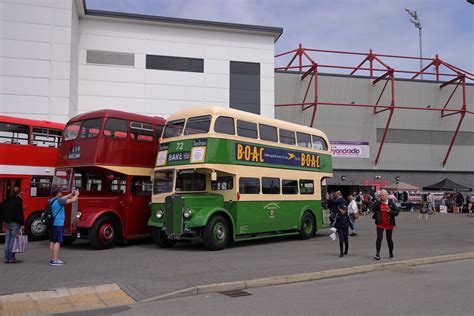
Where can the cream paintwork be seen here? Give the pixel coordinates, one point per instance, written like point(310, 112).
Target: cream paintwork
point(216, 111)
point(250, 171)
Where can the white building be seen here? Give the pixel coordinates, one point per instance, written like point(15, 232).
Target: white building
point(59, 59)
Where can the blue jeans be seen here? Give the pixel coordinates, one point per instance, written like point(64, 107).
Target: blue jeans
point(12, 229)
point(353, 222)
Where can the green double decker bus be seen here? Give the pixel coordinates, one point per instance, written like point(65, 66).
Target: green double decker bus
point(224, 175)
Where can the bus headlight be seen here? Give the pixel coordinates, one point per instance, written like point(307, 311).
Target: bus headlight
point(78, 215)
point(187, 213)
point(159, 214)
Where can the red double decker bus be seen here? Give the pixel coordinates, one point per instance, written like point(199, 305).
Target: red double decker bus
point(108, 156)
point(28, 151)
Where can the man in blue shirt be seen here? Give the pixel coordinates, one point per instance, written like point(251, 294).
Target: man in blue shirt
point(56, 231)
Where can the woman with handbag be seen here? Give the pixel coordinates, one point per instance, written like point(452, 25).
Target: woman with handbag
point(385, 212)
point(12, 216)
point(353, 211)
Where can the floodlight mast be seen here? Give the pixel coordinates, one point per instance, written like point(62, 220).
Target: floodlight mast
point(417, 23)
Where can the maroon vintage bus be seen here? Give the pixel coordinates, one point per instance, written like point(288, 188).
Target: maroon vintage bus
point(108, 156)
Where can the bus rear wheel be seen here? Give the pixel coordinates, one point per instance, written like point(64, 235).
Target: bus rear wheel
point(160, 238)
point(103, 234)
point(34, 228)
point(308, 226)
point(216, 234)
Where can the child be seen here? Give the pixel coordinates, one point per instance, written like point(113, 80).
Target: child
point(342, 224)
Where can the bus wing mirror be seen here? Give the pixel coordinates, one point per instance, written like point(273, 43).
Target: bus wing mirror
point(213, 176)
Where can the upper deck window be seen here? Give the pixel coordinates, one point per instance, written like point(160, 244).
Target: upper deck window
point(91, 128)
point(319, 143)
point(14, 133)
point(225, 125)
point(46, 137)
point(115, 128)
point(141, 131)
point(198, 125)
point(173, 128)
point(287, 137)
point(72, 130)
point(247, 129)
point(268, 133)
point(159, 131)
point(304, 140)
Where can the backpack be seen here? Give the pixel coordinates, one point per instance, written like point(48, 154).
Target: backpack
point(47, 217)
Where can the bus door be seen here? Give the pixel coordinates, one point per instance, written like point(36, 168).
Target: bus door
point(138, 210)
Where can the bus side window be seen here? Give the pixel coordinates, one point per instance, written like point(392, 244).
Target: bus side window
point(287, 137)
point(46, 137)
point(290, 186)
point(249, 185)
point(40, 186)
point(304, 140)
point(115, 128)
point(247, 129)
point(270, 185)
point(141, 186)
point(268, 133)
point(14, 134)
point(319, 143)
point(118, 185)
point(223, 183)
point(224, 125)
point(306, 186)
point(141, 131)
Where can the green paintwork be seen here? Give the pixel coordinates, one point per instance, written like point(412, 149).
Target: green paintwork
point(247, 217)
point(223, 151)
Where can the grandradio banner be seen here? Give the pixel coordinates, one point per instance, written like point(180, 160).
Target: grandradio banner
point(350, 149)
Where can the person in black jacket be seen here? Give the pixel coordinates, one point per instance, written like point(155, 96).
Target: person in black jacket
point(385, 212)
point(12, 216)
point(342, 224)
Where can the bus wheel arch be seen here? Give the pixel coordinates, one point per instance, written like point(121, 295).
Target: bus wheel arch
point(105, 231)
point(34, 228)
point(308, 224)
point(218, 232)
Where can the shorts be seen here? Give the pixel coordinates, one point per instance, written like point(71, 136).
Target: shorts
point(56, 234)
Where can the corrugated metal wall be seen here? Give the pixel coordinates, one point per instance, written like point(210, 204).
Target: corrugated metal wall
point(360, 124)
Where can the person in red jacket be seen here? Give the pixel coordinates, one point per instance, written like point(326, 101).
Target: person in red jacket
point(385, 212)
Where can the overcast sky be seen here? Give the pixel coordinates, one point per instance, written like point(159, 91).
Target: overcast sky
point(351, 25)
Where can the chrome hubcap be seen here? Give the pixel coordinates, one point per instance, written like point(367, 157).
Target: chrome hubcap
point(37, 228)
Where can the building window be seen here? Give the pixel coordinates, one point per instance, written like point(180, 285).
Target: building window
point(110, 58)
point(174, 63)
point(245, 86)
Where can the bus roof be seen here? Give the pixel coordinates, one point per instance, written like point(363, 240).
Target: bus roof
point(242, 115)
point(120, 115)
point(29, 122)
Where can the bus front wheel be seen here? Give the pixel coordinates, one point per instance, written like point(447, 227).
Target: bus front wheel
point(34, 228)
point(308, 226)
point(103, 234)
point(216, 234)
point(161, 239)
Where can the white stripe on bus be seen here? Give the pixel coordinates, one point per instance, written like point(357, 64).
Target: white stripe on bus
point(26, 170)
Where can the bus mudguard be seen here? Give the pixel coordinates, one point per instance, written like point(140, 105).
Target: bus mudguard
point(202, 218)
point(88, 219)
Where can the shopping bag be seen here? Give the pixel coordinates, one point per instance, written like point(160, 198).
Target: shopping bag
point(333, 235)
point(20, 244)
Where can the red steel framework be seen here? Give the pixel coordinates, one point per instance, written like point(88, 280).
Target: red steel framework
point(454, 76)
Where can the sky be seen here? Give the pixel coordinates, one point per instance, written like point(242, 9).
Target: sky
point(350, 25)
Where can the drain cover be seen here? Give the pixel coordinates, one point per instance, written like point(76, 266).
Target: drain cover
point(236, 293)
point(409, 271)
